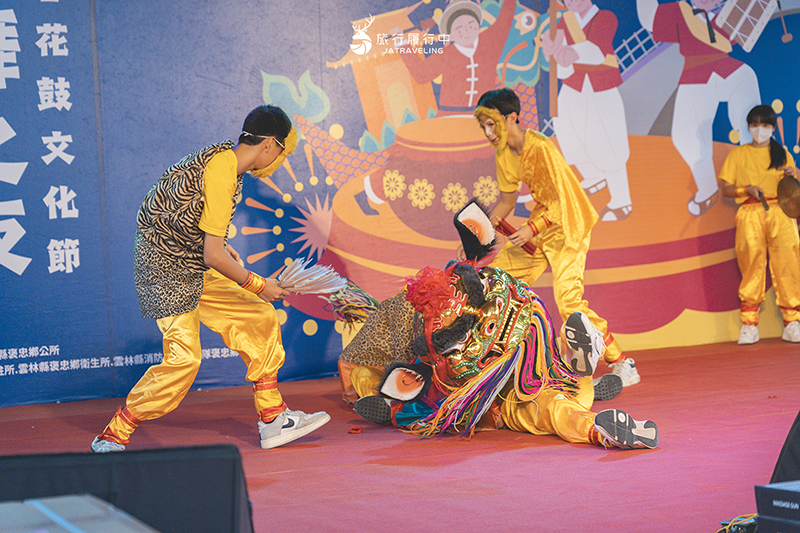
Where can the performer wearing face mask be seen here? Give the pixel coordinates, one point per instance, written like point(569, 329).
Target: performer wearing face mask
point(751, 174)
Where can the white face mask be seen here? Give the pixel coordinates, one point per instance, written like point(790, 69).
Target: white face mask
point(761, 134)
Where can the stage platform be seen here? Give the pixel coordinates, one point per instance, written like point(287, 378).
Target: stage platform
point(723, 413)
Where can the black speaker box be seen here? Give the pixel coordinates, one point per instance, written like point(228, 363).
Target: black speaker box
point(173, 490)
point(788, 466)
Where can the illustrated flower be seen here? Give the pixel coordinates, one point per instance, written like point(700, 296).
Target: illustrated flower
point(421, 193)
point(454, 197)
point(394, 184)
point(486, 190)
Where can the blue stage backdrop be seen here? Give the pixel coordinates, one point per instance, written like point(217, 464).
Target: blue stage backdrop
point(98, 98)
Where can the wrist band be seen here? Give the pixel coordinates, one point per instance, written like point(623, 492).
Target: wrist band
point(254, 283)
point(741, 192)
point(535, 225)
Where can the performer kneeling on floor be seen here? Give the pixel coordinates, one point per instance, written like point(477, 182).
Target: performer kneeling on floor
point(488, 358)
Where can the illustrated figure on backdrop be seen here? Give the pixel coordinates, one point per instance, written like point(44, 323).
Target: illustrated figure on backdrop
point(590, 126)
point(559, 227)
point(186, 274)
point(468, 65)
point(488, 358)
point(710, 76)
point(751, 174)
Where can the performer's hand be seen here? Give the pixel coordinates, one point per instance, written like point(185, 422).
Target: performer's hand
point(789, 171)
point(755, 192)
point(460, 253)
point(522, 235)
point(272, 292)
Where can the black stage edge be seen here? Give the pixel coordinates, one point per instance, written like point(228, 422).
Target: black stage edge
point(189, 490)
point(788, 466)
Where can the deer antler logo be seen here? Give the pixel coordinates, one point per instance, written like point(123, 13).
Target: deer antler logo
point(361, 41)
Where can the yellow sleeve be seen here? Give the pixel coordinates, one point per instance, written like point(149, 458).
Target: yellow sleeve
point(219, 186)
point(730, 168)
point(507, 175)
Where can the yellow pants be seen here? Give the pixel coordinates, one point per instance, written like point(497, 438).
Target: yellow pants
point(759, 234)
point(365, 379)
point(568, 265)
point(552, 412)
point(246, 323)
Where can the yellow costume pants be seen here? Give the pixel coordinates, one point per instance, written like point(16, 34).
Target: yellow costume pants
point(552, 412)
point(365, 379)
point(246, 323)
point(759, 234)
point(568, 265)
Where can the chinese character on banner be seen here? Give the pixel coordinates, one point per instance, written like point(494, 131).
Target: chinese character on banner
point(66, 202)
point(64, 255)
point(9, 46)
point(57, 150)
point(53, 94)
point(52, 40)
point(10, 229)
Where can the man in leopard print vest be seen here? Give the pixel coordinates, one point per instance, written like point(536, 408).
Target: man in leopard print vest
point(186, 274)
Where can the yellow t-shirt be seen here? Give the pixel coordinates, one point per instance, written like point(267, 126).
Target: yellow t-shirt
point(747, 165)
point(219, 186)
point(508, 171)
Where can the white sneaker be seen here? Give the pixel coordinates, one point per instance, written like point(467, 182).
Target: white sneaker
point(749, 334)
point(618, 429)
point(791, 332)
point(585, 342)
point(626, 370)
point(288, 426)
point(105, 446)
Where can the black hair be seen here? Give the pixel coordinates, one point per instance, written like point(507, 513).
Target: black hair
point(504, 100)
point(764, 114)
point(265, 121)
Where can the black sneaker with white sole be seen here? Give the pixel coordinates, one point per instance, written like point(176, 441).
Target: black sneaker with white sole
point(376, 409)
point(585, 342)
point(607, 387)
point(618, 429)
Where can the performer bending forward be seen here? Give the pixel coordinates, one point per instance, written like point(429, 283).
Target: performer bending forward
point(560, 225)
point(186, 274)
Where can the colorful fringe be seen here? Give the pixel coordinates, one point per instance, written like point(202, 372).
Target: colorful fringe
point(540, 363)
point(465, 406)
point(537, 364)
point(351, 304)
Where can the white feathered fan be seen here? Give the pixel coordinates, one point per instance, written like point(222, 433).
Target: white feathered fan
point(297, 277)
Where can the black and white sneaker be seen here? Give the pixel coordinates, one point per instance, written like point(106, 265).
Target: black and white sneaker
point(618, 429)
point(288, 426)
point(585, 342)
point(376, 409)
point(607, 387)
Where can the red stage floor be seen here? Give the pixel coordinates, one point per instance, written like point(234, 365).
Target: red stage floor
point(723, 412)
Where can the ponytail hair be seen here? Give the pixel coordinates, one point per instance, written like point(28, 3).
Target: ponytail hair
point(777, 154)
point(764, 114)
